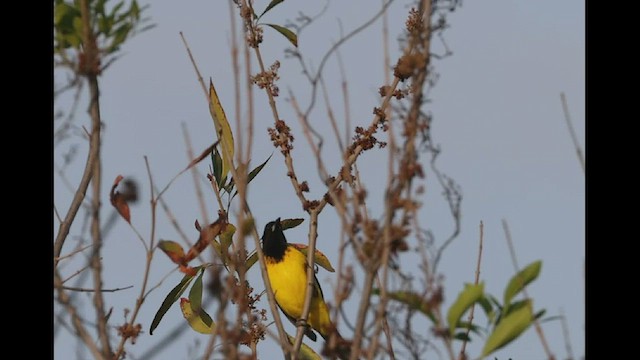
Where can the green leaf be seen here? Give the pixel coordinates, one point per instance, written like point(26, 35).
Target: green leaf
point(485, 303)
point(306, 353)
point(520, 280)
point(509, 328)
point(412, 300)
point(216, 160)
point(195, 294)
point(256, 171)
point(467, 297)
point(290, 35)
point(63, 16)
point(195, 305)
point(473, 327)
point(120, 35)
point(462, 336)
point(251, 260)
point(226, 238)
point(252, 174)
point(514, 306)
point(172, 297)
point(116, 9)
point(271, 5)
point(550, 318)
point(290, 223)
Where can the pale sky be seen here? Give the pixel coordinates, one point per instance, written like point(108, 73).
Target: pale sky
point(497, 118)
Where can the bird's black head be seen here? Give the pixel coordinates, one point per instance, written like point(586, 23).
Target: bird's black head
point(274, 244)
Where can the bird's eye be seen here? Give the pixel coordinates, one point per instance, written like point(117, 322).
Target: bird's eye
point(273, 227)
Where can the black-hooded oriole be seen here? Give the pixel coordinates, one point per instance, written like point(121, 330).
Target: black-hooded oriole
point(287, 269)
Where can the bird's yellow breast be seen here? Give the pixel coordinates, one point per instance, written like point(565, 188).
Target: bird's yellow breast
point(288, 279)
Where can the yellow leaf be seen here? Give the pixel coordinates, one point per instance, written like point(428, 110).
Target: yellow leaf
point(223, 130)
point(321, 258)
point(306, 353)
point(196, 322)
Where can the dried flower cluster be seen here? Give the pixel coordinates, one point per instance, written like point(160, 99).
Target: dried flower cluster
point(281, 137)
point(365, 138)
point(414, 23)
point(408, 65)
point(268, 78)
point(399, 94)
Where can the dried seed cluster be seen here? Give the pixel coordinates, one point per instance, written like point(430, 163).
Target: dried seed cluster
point(414, 23)
point(281, 137)
point(408, 65)
point(398, 93)
point(267, 79)
point(365, 138)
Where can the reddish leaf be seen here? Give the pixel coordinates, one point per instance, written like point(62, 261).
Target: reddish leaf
point(203, 155)
point(207, 235)
point(188, 270)
point(118, 201)
point(173, 250)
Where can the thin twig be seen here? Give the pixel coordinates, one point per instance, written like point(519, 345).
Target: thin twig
point(74, 252)
point(149, 257)
point(82, 333)
point(572, 132)
point(566, 335)
point(332, 118)
point(475, 282)
point(334, 47)
point(76, 273)
point(362, 314)
point(197, 188)
point(345, 99)
point(536, 323)
point(93, 290)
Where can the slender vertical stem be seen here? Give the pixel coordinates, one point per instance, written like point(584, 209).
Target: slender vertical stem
point(536, 323)
point(362, 314)
point(566, 336)
point(461, 356)
point(572, 132)
point(311, 250)
point(91, 69)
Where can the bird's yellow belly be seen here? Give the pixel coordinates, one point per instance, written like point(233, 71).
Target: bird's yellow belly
point(289, 286)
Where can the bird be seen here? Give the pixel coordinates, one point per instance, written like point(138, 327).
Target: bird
point(287, 270)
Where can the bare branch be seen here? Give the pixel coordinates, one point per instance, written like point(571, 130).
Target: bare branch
point(93, 290)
